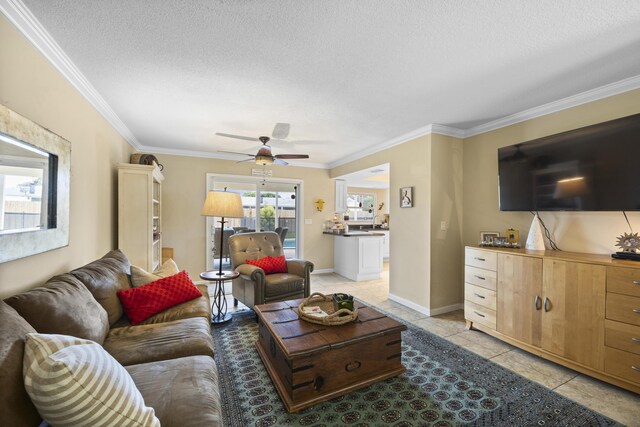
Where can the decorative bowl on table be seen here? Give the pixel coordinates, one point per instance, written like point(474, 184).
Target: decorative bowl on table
point(329, 310)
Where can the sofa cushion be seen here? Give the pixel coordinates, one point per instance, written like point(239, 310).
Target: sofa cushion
point(193, 399)
point(104, 277)
point(270, 264)
point(140, 276)
point(144, 301)
point(199, 307)
point(75, 382)
point(282, 283)
point(15, 405)
point(64, 306)
point(150, 343)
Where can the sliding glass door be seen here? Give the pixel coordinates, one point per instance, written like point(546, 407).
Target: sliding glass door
point(268, 206)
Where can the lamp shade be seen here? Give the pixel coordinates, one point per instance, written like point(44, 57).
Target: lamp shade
point(224, 204)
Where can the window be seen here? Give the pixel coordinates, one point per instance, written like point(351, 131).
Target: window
point(361, 206)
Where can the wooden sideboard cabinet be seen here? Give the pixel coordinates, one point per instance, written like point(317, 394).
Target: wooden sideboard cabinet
point(140, 214)
point(578, 310)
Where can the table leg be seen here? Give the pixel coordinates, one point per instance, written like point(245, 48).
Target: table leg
point(219, 309)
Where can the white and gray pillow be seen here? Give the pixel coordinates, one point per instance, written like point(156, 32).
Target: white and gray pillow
point(75, 382)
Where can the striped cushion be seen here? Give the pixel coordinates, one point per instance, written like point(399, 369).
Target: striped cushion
point(75, 382)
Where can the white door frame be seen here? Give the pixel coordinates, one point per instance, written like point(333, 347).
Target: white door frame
point(211, 178)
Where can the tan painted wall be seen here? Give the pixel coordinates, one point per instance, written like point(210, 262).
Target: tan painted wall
point(409, 266)
point(184, 191)
point(590, 232)
point(446, 206)
point(32, 87)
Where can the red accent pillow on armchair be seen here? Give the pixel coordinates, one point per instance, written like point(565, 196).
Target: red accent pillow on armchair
point(270, 264)
point(144, 301)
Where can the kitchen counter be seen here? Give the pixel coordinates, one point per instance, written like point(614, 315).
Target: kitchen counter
point(355, 234)
point(359, 257)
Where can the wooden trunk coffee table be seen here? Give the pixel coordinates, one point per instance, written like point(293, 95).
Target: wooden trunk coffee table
point(311, 363)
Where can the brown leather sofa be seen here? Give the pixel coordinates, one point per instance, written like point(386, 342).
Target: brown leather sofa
point(254, 287)
point(169, 356)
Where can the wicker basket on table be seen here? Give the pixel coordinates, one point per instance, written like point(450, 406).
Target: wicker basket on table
point(325, 303)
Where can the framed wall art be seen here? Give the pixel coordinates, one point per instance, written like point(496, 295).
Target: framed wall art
point(406, 197)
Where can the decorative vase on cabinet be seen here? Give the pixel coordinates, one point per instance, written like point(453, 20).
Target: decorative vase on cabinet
point(140, 214)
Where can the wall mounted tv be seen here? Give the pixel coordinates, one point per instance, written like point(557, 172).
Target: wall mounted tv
point(595, 168)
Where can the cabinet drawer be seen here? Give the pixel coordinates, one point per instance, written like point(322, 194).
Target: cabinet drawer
point(623, 308)
point(482, 259)
point(623, 280)
point(480, 277)
point(622, 336)
point(479, 314)
point(481, 296)
point(622, 364)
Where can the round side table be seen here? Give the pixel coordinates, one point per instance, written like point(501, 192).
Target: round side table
point(219, 308)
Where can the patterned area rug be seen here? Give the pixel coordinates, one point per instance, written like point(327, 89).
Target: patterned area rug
point(444, 385)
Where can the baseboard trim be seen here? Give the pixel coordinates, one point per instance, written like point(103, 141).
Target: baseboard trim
point(323, 271)
point(420, 309)
point(412, 305)
point(446, 309)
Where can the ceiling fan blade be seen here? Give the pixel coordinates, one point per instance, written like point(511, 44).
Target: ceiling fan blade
point(281, 130)
point(228, 135)
point(235, 152)
point(280, 162)
point(291, 156)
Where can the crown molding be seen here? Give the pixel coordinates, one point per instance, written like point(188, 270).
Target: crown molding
point(219, 156)
point(417, 133)
point(596, 94)
point(20, 16)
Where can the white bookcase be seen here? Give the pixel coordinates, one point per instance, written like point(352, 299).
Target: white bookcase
point(140, 214)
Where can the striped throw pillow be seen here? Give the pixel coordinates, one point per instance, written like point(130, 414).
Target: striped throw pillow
point(75, 382)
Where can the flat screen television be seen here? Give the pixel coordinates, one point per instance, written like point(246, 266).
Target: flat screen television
point(595, 168)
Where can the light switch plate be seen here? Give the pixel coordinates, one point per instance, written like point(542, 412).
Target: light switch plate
point(443, 225)
point(308, 221)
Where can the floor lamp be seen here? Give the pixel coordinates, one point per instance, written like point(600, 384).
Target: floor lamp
point(224, 205)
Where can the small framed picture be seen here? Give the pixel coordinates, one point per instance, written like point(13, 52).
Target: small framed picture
point(513, 236)
point(488, 236)
point(406, 197)
point(499, 241)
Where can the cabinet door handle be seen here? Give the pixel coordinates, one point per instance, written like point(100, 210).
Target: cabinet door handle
point(636, 340)
point(479, 314)
point(635, 368)
point(636, 282)
point(479, 277)
point(546, 304)
point(479, 296)
point(479, 259)
point(537, 303)
point(636, 310)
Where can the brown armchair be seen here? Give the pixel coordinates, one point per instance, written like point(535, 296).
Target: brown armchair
point(254, 287)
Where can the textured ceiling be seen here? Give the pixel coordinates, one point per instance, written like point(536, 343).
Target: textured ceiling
point(347, 74)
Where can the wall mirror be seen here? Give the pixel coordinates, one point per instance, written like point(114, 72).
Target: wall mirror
point(34, 188)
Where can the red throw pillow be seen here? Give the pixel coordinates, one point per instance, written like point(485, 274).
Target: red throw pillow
point(270, 264)
point(144, 301)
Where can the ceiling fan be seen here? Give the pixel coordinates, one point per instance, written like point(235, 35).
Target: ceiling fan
point(265, 157)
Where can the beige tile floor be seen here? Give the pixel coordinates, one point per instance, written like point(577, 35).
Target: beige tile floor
point(614, 402)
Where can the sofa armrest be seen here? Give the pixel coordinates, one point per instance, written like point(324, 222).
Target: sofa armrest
point(255, 273)
point(301, 268)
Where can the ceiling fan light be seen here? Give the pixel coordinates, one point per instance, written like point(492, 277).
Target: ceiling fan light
point(264, 160)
